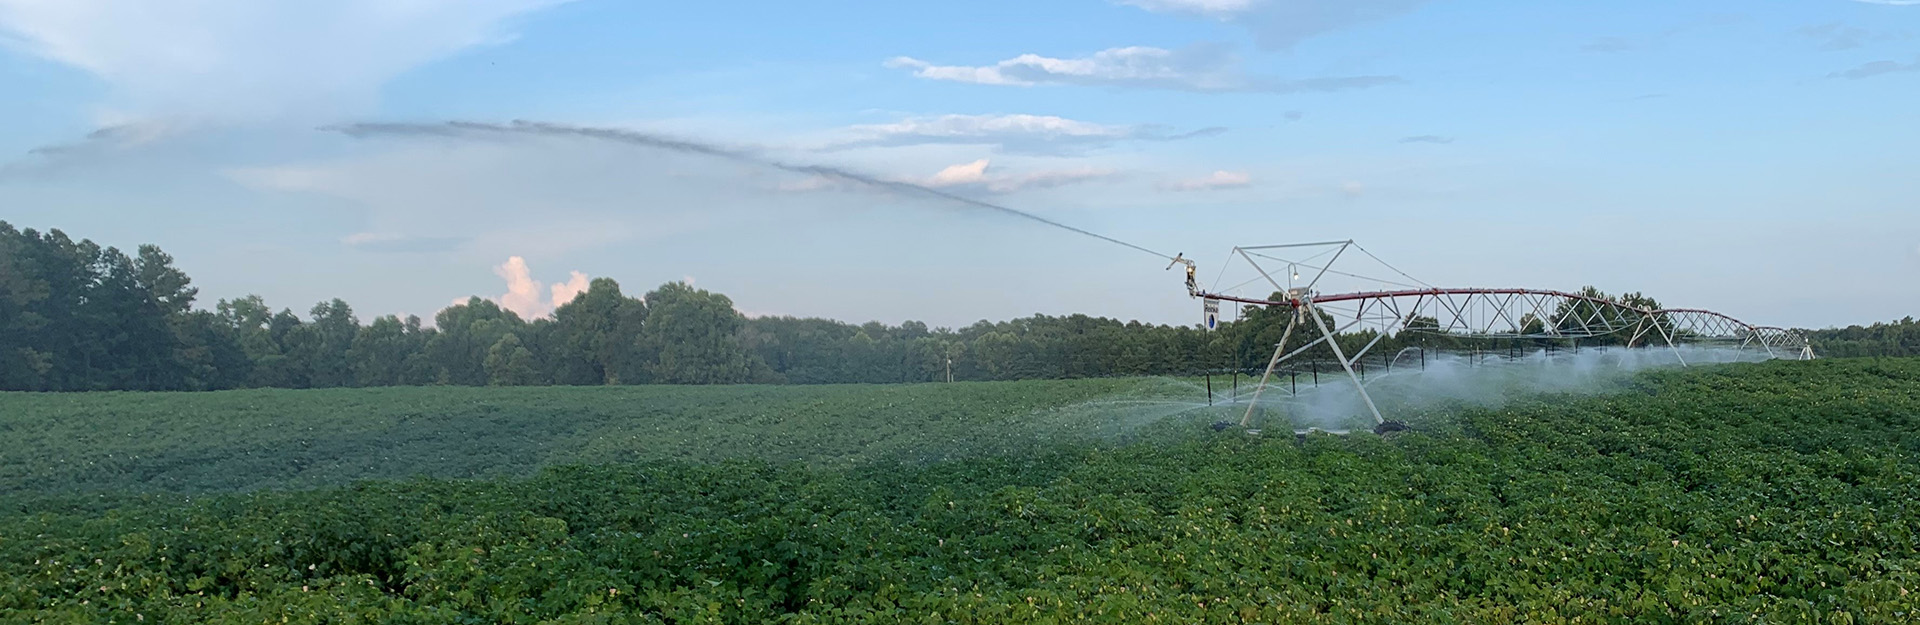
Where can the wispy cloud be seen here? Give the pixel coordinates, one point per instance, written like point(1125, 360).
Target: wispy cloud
point(672, 145)
point(1205, 68)
point(1198, 7)
point(1877, 68)
point(391, 242)
point(1013, 133)
point(1836, 36)
point(247, 59)
point(287, 178)
point(97, 144)
point(1427, 139)
point(490, 199)
point(1210, 182)
point(1282, 24)
point(1891, 3)
point(121, 136)
point(972, 177)
point(1611, 44)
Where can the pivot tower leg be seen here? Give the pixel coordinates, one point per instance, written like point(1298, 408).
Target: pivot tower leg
point(1275, 362)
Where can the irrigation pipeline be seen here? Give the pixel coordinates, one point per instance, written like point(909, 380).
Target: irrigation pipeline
point(1343, 297)
point(1718, 322)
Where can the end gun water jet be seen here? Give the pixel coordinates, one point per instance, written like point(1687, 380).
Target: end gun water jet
point(462, 129)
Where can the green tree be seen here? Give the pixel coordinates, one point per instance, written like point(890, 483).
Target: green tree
point(391, 352)
point(24, 365)
point(458, 352)
point(597, 337)
point(510, 364)
point(325, 347)
point(211, 352)
point(692, 336)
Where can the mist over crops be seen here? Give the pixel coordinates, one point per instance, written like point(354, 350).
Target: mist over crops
point(1421, 386)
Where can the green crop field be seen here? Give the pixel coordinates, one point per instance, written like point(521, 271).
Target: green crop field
point(1778, 492)
point(273, 438)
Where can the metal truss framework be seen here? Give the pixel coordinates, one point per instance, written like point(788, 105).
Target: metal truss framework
point(1472, 313)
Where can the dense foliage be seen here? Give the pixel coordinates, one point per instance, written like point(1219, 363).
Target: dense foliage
point(75, 316)
point(1898, 338)
point(1771, 492)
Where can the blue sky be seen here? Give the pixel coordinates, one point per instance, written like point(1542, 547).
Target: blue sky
point(1751, 157)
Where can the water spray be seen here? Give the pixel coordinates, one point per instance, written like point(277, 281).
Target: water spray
point(464, 129)
point(1510, 314)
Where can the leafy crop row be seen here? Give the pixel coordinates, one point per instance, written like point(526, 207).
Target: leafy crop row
point(273, 438)
point(1776, 492)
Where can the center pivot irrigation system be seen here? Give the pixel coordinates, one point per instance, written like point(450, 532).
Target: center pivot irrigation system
point(1390, 307)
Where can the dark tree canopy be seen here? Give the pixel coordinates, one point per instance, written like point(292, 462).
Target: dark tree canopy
point(75, 316)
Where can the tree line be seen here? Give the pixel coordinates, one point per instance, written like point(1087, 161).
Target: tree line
point(1896, 338)
point(76, 316)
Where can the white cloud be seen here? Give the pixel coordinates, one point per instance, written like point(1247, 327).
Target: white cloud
point(564, 292)
point(976, 176)
point(1210, 68)
point(1014, 133)
point(1044, 179)
point(1353, 189)
point(965, 173)
point(1281, 24)
point(1892, 3)
point(1209, 182)
point(523, 295)
point(251, 59)
point(523, 292)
